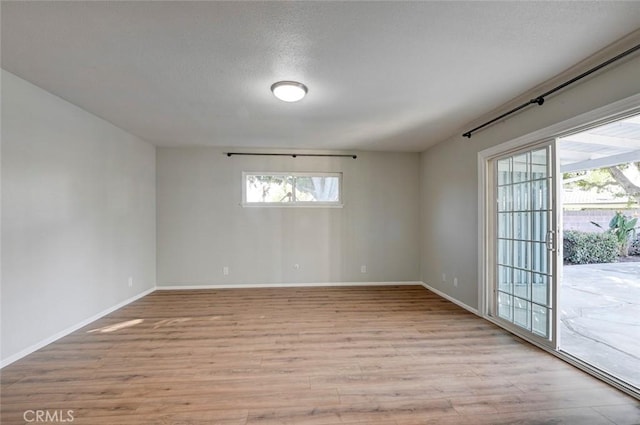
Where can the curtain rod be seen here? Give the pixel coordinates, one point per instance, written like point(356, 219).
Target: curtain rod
point(292, 155)
point(540, 99)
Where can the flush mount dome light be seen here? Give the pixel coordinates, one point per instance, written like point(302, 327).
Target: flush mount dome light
point(289, 91)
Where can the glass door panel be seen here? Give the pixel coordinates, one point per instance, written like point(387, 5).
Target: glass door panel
point(525, 241)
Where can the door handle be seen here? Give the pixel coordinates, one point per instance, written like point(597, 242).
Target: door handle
point(550, 240)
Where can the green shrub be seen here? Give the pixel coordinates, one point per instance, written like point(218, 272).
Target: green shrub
point(588, 248)
point(622, 227)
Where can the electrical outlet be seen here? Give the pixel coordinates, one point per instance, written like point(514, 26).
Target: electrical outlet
point(296, 266)
point(130, 282)
point(363, 269)
point(455, 281)
point(225, 270)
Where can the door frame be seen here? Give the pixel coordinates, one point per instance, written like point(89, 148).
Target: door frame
point(595, 118)
point(554, 224)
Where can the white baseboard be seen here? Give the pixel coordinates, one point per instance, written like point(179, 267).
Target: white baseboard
point(450, 298)
point(65, 332)
point(282, 285)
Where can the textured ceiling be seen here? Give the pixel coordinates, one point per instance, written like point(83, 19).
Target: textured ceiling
point(396, 76)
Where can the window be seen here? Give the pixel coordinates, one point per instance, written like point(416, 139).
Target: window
point(292, 189)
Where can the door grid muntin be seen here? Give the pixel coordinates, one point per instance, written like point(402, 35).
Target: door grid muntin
point(524, 248)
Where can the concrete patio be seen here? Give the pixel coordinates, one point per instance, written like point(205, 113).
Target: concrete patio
point(600, 317)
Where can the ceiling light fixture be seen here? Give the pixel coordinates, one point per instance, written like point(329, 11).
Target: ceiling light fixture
point(289, 91)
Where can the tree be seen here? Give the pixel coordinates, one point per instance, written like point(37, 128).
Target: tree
point(632, 189)
point(620, 180)
point(282, 187)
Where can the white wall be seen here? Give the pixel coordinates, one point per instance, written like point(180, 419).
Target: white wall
point(78, 215)
point(202, 227)
point(450, 178)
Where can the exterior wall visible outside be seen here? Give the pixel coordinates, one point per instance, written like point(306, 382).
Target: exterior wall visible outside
point(581, 220)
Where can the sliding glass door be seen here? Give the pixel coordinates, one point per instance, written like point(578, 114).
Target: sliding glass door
point(525, 242)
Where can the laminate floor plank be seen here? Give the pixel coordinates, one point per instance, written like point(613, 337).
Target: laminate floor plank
point(396, 355)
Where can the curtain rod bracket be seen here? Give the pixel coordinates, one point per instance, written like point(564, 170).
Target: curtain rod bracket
point(539, 100)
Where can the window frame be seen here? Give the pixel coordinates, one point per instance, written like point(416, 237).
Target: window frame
point(294, 203)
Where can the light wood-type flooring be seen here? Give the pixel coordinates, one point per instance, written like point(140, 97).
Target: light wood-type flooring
point(396, 355)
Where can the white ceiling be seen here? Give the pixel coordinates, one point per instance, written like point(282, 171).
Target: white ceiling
point(395, 76)
point(611, 144)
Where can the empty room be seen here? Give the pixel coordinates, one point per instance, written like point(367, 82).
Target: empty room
point(310, 212)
